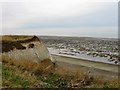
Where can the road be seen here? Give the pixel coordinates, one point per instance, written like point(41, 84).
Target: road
point(94, 68)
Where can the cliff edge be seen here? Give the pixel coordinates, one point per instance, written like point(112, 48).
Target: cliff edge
point(31, 48)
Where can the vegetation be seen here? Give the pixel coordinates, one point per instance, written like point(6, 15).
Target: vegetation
point(0, 75)
point(26, 74)
point(15, 37)
point(29, 74)
point(9, 42)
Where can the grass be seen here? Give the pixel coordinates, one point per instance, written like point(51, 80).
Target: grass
point(14, 37)
point(12, 79)
point(17, 78)
point(0, 75)
point(26, 74)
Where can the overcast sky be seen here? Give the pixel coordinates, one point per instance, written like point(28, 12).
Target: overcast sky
point(61, 17)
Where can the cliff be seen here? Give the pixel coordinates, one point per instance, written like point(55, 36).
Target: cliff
point(31, 48)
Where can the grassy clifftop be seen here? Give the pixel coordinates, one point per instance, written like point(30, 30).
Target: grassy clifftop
point(15, 37)
point(11, 42)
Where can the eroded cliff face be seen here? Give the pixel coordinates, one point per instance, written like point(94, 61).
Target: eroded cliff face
point(29, 49)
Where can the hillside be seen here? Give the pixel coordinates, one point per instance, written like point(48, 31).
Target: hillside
point(26, 63)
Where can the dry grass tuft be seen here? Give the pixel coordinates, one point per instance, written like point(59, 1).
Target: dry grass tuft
point(45, 65)
point(45, 74)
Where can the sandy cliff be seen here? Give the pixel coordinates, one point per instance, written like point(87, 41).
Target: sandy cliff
point(26, 49)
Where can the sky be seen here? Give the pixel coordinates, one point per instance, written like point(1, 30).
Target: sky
point(60, 18)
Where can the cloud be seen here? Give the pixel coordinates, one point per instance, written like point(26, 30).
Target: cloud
point(18, 13)
point(79, 32)
point(60, 0)
point(0, 19)
point(58, 14)
point(51, 9)
point(104, 16)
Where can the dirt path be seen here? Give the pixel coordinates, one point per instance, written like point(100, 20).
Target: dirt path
point(94, 68)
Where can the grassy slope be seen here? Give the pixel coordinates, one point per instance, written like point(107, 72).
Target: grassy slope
point(27, 74)
point(0, 75)
point(17, 76)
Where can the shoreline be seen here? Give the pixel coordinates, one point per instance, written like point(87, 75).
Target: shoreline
point(90, 67)
point(82, 56)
